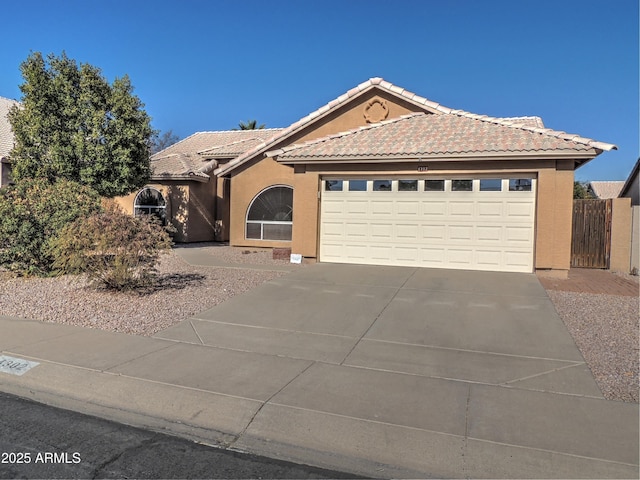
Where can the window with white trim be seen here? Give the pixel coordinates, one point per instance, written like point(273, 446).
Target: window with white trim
point(270, 214)
point(150, 201)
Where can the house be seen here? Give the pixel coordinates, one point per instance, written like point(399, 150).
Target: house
point(183, 188)
point(382, 176)
point(632, 191)
point(604, 190)
point(6, 140)
point(630, 187)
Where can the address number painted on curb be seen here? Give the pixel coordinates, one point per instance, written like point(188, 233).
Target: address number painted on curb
point(15, 366)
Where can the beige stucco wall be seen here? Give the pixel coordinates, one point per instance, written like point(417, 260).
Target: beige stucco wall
point(554, 216)
point(190, 208)
point(305, 210)
point(621, 220)
point(635, 240)
point(223, 216)
point(246, 185)
point(202, 209)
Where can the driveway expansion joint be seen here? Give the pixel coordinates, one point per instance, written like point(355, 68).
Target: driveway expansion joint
point(253, 417)
point(378, 316)
point(196, 332)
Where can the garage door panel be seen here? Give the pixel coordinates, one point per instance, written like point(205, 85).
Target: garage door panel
point(458, 208)
point(332, 252)
point(356, 231)
point(405, 254)
point(434, 209)
point(407, 232)
point(491, 209)
point(356, 252)
point(460, 256)
point(381, 231)
point(382, 253)
point(488, 234)
point(356, 207)
point(520, 209)
point(433, 256)
point(434, 232)
point(476, 230)
point(333, 207)
point(489, 258)
point(407, 208)
point(516, 234)
point(462, 233)
point(382, 208)
point(517, 259)
point(333, 229)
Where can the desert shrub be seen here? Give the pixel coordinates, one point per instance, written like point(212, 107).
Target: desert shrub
point(32, 213)
point(115, 250)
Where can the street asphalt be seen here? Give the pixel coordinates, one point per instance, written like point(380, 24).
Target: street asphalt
point(378, 371)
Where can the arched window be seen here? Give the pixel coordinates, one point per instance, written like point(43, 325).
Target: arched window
point(150, 201)
point(270, 214)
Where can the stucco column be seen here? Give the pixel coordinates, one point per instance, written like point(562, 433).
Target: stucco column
point(305, 213)
point(619, 260)
point(554, 218)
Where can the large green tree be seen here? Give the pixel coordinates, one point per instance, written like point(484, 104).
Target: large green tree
point(73, 124)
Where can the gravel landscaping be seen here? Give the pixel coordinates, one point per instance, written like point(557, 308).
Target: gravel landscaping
point(183, 291)
point(605, 327)
point(606, 330)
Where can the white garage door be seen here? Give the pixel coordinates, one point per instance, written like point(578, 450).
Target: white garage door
point(462, 223)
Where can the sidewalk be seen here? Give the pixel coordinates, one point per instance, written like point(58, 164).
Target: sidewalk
point(325, 411)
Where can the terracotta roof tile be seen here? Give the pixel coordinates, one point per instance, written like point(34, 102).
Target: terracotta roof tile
point(193, 156)
point(524, 125)
point(605, 190)
point(423, 135)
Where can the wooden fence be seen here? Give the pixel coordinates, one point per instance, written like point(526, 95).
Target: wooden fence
point(591, 236)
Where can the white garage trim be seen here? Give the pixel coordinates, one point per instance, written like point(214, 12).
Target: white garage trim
point(466, 223)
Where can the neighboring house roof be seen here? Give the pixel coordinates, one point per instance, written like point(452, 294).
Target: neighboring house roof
point(6, 135)
point(605, 190)
point(521, 124)
point(632, 180)
point(432, 136)
point(195, 156)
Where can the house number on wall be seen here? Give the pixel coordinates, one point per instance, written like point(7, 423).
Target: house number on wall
point(423, 169)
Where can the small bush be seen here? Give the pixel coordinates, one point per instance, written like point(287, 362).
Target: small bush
point(32, 213)
point(116, 251)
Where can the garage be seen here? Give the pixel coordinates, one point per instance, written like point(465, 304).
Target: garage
point(471, 223)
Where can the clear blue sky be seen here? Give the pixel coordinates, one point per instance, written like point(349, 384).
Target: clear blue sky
point(207, 65)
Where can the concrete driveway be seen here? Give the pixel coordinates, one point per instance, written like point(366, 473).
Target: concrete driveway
point(439, 372)
point(486, 327)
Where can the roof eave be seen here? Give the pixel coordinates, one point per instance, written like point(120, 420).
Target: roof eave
point(202, 178)
point(456, 157)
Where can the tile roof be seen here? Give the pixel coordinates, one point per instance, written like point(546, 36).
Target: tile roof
point(194, 156)
point(6, 135)
point(429, 135)
point(605, 190)
point(531, 124)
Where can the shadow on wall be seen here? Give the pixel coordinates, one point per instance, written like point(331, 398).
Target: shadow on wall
point(178, 206)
